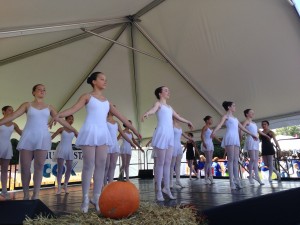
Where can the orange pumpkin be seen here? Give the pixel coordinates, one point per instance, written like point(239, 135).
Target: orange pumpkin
point(119, 199)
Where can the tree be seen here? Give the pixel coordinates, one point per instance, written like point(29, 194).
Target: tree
point(290, 131)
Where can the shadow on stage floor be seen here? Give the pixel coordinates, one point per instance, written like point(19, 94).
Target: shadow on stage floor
point(196, 192)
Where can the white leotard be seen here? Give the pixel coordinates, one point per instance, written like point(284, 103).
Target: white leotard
point(36, 135)
point(94, 131)
point(177, 143)
point(64, 149)
point(163, 137)
point(125, 146)
point(208, 141)
point(231, 137)
point(113, 130)
point(250, 143)
point(6, 151)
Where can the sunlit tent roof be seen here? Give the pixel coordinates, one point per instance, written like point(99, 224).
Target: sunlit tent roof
point(204, 51)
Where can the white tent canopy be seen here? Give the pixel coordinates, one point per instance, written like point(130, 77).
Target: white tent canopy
point(216, 50)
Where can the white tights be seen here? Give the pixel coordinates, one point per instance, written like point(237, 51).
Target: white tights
point(111, 163)
point(162, 168)
point(253, 164)
point(176, 161)
point(94, 158)
point(26, 157)
point(60, 168)
point(125, 164)
point(233, 153)
point(208, 162)
point(268, 160)
point(4, 169)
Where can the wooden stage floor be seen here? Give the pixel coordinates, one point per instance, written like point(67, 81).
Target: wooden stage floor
point(196, 192)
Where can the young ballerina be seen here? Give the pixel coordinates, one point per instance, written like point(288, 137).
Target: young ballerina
point(177, 153)
point(64, 152)
point(252, 146)
point(267, 149)
point(163, 139)
point(190, 145)
point(6, 151)
point(114, 150)
point(36, 139)
point(231, 142)
point(94, 137)
point(125, 150)
point(207, 147)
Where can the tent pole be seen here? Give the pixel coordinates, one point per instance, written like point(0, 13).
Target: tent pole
point(57, 44)
point(58, 27)
point(176, 67)
point(121, 44)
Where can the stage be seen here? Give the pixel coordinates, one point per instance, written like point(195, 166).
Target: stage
point(196, 193)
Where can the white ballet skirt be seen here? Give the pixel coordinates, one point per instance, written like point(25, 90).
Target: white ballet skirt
point(231, 137)
point(208, 141)
point(6, 151)
point(64, 149)
point(113, 130)
point(177, 150)
point(36, 135)
point(250, 143)
point(163, 137)
point(94, 131)
point(125, 146)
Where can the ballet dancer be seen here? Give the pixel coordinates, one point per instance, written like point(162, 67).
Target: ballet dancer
point(231, 142)
point(163, 139)
point(94, 137)
point(35, 141)
point(252, 146)
point(207, 147)
point(6, 151)
point(125, 150)
point(114, 150)
point(189, 147)
point(267, 149)
point(64, 152)
point(177, 153)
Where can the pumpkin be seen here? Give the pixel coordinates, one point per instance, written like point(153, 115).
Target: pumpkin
point(119, 200)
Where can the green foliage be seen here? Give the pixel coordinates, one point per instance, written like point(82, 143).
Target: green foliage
point(290, 131)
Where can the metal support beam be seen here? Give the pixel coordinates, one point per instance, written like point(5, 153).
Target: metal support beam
point(177, 68)
point(147, 8)
point(116, 37)
point(126, 46)
point(59, 27)
point(56, 44)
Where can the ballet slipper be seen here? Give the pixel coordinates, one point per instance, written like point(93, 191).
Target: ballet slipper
point(58, 192)
point(5, 195)
point(179, 184)
point(251, 181)
point(85, 204)
point(168, 193)
point(94, 201)
point(159, 196)
point(211, 179)
point(34, 196)
point(232, 185)
point(278, 177)
point(238, 183)
point(207, 181)
point(66, 189)
point(26, 196)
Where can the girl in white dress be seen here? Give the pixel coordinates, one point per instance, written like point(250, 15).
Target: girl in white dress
point(252, 146)
point(64, 151)
point(6, 151)
point(36, 139)
point(207, 147)
point(94, 137)
point(231, 142)
point(125, 150)
point(114, 150)
point(163, 139)
point(177, 153)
